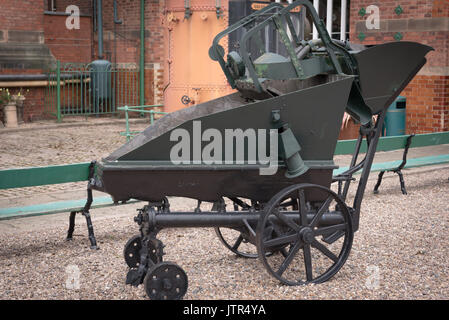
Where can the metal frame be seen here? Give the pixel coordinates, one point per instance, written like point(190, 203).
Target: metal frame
point(129, 134)
point(216, 52)
point(70, 87)
point(285, 14)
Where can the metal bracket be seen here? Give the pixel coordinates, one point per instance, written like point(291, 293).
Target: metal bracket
point(85, 211)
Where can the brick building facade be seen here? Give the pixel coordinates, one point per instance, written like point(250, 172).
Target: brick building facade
point(33, 36)
point(426, 22)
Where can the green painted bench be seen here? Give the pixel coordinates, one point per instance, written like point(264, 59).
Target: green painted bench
point(397, 143)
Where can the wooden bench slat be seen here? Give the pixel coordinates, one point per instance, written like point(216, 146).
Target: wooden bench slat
point(411, 163)
point(39, 176)
point(345, 147)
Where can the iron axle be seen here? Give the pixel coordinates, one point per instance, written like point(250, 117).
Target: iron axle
point(231, 219)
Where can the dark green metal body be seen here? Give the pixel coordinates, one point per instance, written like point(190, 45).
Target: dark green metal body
point(137, 169)
point(310, 95)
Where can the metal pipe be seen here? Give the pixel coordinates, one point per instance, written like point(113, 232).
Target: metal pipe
point(329, 9)
point(316, 4)
point(19, 84)
point(100, 28)
point(37, 77)
point(142, 52)
point(116, 19)
point(303, 52)
point(58, 90)
point(229, 219)
point(343, 20)
point(23, 77)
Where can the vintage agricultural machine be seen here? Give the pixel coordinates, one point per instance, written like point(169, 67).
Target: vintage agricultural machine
point(292, 95)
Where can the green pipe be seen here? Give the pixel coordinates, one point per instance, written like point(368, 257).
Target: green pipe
point(142, 52)
point(100, 28)
point(58, 90)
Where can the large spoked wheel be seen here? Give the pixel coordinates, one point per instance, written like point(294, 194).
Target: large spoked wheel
point(317, 235)
point(243, 244)
point(236, 242)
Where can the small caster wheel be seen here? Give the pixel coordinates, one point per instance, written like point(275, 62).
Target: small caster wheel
point(132, 251)
point(165, 281)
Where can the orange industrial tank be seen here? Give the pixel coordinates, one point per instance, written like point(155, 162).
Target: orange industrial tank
point(190, 76)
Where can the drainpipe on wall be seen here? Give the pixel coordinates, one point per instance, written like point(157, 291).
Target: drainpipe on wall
point(142, 52)
point(100, 28)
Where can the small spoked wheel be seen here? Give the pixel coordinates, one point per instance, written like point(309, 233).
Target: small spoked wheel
point(165, 281)
point(316, 235)
point(132, 249)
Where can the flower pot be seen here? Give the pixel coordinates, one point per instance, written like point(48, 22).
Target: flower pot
point(10, 113)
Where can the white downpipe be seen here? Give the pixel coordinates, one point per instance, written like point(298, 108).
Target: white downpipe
point(316, 4)
point(343, 20)
point(286, 27)
point(329, 8)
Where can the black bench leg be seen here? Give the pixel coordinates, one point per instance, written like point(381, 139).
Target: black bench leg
point(90, 229)
point(379, 181)
point(401, 180)
point(71, 225)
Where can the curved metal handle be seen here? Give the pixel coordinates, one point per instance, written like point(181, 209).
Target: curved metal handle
point(214, 49)
point(327, 41)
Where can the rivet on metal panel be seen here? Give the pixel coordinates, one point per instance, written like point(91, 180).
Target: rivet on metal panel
point(275, 115)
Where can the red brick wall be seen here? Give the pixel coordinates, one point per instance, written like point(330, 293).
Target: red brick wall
point(122, 41)
point(423, 21)
point(34, 106)
point(21, 15)
point(68, 45)
point(85, 6)
point(127, 34)
point(427, 104)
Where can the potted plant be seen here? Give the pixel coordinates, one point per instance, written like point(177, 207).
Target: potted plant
point(9, 108)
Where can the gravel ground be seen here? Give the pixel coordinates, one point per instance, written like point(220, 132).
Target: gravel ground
point(45, 143)
point(402, 243)
point(61, 144)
